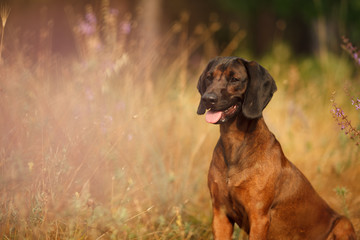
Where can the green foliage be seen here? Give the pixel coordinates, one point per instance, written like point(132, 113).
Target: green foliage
point(344, 14)
point(341, 192)
point(284, 9)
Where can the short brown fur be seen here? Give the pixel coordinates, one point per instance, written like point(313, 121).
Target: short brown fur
point(251, 182)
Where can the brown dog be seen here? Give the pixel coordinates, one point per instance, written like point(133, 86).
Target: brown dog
point(251, 182)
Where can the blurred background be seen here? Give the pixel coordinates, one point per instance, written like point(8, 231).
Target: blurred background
point(99, 133)
point(308, 27)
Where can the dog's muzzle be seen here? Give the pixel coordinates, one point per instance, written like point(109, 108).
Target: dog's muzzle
point(213, 116)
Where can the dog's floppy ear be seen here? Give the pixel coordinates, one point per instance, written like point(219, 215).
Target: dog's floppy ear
point(260, 89)
point(201, 108)
point(201, 86)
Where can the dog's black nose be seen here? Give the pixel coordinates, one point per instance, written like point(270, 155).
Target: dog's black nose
point(210, 98)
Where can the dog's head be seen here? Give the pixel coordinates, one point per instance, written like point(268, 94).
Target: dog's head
point(229, 85)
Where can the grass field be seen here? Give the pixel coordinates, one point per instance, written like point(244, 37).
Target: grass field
point(108, 145)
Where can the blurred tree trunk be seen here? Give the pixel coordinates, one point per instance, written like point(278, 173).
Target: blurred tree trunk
point(321, 38)
point(264, 30)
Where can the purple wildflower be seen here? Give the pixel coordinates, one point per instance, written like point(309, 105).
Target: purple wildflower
point(353, 51)
point(339, 112)
point(91, 18)
point(342, 119)
point(356, 103)
point(125, 27)
point(86, 28)
point(114, 12)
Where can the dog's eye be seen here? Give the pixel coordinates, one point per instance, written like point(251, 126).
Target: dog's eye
point(234, 80)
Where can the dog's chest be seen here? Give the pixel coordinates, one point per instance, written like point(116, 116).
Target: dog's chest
point(223, 189)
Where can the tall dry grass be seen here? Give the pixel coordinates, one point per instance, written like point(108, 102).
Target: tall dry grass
point(4, 14)
point(108, 145)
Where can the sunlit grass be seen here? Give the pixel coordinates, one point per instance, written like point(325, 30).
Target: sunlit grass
point(109, 146)
point(4, 14)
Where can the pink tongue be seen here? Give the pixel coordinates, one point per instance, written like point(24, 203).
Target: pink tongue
point(213, 116)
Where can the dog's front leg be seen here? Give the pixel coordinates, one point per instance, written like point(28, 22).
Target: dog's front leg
point(222, 226)
point(259, 226)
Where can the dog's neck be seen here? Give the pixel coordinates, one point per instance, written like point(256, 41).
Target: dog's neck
point(240, 134)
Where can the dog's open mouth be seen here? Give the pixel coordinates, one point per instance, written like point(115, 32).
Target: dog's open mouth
point(213, 116)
